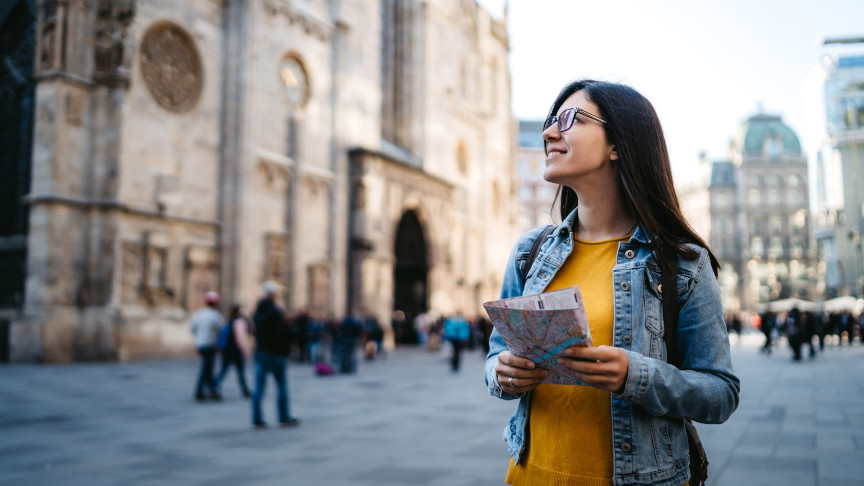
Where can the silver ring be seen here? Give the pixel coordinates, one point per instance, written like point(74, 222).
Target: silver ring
point(510, 382)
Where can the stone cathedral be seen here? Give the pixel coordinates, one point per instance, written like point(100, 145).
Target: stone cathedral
point(358, 152)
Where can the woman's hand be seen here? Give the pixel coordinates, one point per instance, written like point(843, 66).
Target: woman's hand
point(603, 367)
point(517, 375)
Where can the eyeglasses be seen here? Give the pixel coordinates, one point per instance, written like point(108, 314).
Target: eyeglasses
point(567, 117)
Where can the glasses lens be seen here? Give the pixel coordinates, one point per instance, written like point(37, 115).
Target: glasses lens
point(548, 123)
point(565, 119)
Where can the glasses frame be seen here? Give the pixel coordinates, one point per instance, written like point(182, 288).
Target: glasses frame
point(577, 111)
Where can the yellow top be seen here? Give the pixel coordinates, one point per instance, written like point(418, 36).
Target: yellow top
point(570, 427)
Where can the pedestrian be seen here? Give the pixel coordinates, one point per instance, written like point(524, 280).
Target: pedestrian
point(373, 335)
point(272, 341)
point(349, 330)
point(457, 331)
point(485, 328)
point(205, 325)
point(810, 330)
point(768, 324)
point(235, 349)
point(736, 326)
point(795, 332)
point(605, 148)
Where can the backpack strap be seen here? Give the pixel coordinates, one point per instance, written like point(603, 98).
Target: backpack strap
point(669, 293)
point(698, 458)
point(535, 248)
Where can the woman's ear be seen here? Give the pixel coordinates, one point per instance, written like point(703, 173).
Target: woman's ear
point(614, 154)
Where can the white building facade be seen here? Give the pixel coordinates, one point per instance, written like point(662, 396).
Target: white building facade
point(358, 153)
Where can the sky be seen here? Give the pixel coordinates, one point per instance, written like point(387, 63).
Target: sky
point(706, 66)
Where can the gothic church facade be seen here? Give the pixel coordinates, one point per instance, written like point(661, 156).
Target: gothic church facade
point(359, 153)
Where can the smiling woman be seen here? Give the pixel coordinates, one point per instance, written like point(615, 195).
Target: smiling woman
point(622, 231)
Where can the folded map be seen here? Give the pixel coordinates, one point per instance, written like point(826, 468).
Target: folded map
point(541, 326)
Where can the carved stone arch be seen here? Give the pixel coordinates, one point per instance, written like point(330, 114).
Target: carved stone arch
point(413, 203)
point(411, 272)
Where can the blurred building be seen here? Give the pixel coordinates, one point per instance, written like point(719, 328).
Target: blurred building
point(694, 199)
point(760, 224)
point(535, 193)
point(839, 215)
point(358, 153)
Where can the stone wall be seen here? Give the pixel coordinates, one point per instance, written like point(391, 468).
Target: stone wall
point(194, 146)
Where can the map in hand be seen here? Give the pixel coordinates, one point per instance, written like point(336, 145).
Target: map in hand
point(540, 327)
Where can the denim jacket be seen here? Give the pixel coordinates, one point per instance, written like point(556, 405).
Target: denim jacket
point(648, 436)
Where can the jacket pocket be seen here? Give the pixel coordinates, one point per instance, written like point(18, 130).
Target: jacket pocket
point(653, 302)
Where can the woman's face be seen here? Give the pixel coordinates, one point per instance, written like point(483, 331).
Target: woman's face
point(582, 153)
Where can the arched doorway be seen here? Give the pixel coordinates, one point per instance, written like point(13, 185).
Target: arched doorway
point(17, 96)
point(410, 288)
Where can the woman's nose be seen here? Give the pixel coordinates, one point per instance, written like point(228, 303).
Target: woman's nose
point(551, 133)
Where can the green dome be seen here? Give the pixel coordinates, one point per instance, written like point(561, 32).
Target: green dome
point(754, 131)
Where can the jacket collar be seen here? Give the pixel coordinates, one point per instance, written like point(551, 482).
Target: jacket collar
point(569, 224)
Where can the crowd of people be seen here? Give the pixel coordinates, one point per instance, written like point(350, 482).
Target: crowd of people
point(271, 338)
point(802, 330)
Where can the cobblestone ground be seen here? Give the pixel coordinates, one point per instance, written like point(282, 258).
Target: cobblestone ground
point(401, 421)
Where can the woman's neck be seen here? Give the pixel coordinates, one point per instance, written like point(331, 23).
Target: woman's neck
point(602, 218)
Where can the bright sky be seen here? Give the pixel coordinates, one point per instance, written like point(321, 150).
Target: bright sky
point(705, 66)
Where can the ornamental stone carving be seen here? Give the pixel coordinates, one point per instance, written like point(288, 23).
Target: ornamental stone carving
point(171, 67)
point(111, 45)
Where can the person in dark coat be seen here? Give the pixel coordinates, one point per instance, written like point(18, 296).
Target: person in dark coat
point(272, 336)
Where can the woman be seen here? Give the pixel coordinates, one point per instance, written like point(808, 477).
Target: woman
point(606, 150)
point(236, 348)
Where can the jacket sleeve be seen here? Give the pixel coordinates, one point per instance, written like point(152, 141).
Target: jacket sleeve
point(512, 286)
point(705, 389)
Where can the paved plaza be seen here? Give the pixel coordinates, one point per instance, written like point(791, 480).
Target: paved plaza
point(401, 421)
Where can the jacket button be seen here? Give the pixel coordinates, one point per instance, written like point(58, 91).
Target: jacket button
point(660, 288)
point(629, 254)
point(627, 338)
point(625, 286)
point(625, 447)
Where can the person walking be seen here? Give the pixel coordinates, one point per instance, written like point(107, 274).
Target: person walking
point(349, 330)
point(272, 340)
point(205, 325)
point(457, 331)
point(235, 349)
point(621, 225)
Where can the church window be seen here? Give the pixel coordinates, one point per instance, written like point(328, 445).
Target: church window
point(296, 81)
point(396, 72)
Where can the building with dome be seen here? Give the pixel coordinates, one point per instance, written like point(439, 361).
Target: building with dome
point(759, 213)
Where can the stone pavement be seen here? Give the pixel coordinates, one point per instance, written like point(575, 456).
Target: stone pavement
point(401, 421)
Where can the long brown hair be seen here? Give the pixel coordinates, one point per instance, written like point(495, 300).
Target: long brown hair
point(633, 128)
